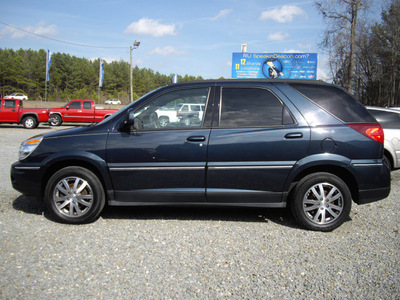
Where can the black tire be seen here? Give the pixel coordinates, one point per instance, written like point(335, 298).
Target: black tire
point(55, 120)
point(317, 210)
point(388, 162)
point(74, 195)
point(30, 122)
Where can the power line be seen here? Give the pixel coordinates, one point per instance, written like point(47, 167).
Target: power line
point(60, 41)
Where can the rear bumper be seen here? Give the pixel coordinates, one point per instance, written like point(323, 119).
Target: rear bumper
point(373, 179)
point(368, 196)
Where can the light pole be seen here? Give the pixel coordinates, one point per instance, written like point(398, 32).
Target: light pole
point(135, 45)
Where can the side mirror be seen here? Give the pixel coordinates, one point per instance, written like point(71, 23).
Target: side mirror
point(130, 121)
point(129, 118)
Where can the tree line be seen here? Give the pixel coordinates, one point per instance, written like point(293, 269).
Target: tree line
point(364, 57)
point(72, 77)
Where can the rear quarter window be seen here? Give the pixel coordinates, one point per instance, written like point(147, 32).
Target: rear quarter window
point(335, 101)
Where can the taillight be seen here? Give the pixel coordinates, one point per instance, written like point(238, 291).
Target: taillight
point(372, 130)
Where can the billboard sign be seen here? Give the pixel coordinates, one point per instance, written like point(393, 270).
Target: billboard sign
point(275, 65)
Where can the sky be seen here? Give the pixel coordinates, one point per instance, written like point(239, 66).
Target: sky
point(177, 37)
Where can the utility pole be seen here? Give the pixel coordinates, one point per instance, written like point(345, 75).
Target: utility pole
point(135, 45)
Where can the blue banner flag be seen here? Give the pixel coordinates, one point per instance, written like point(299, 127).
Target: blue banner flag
point(275, 65)
point(48, 63)
point(101, 75)
point(175, 79)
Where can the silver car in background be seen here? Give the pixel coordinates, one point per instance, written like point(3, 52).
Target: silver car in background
point(389, 118)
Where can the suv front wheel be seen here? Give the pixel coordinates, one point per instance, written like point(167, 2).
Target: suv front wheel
point(321, 201)
point(74, 195)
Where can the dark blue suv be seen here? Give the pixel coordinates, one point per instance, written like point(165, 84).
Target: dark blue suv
point(303, 144)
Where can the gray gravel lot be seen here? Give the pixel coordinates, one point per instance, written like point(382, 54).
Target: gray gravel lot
point(186, 253)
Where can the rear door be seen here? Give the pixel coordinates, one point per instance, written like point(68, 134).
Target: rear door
point(254, 143)
point(154, 163)
point(88, 112)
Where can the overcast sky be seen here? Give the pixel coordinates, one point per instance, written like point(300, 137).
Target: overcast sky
point(183, 37)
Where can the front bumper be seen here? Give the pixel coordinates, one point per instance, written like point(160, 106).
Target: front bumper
point(27, 179)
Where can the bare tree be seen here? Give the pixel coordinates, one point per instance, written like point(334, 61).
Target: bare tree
point(341, 17)
point(387, 38)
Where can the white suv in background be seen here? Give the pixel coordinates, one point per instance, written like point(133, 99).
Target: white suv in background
point(390, 121)
point(185, 113)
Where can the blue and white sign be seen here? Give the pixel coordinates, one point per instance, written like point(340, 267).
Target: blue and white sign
point(275, 65)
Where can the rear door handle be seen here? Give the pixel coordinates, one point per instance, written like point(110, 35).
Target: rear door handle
point(294, 135)
point(196, 138)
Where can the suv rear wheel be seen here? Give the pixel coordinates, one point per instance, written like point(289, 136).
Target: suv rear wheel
point(74, 195)
point(321, 201)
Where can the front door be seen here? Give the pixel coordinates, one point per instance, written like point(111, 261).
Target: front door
point(73, 113)
point(9, 111)
point(154, 163)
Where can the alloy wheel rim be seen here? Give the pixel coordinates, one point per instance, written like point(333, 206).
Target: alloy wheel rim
point(163, 122)
point(323, 203)
point(73, 197)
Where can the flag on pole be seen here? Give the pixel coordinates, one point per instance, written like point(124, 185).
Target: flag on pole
point(48, 63)
point(101, 75)
point(175, 79)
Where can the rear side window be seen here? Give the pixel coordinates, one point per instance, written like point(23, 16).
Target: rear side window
point(389, 120)
point(252, 107)
point(336, 101)
point(87, 105)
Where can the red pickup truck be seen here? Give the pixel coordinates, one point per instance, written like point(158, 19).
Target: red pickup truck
point(12, 111)
point(79, 111)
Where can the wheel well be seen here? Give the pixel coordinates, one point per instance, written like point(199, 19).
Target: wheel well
point(56, 113)
point(389, 156)
point(70, 163)
point(29, 115)
point(342, 173)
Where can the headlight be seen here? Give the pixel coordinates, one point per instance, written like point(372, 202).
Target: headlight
point(29, 146)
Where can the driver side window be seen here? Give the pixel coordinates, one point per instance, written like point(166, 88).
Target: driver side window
point(173, 110)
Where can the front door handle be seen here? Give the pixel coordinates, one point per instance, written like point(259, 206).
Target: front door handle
point(294, 135)
point(196, 138)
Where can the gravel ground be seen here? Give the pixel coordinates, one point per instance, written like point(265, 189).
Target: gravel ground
point(177, 253)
